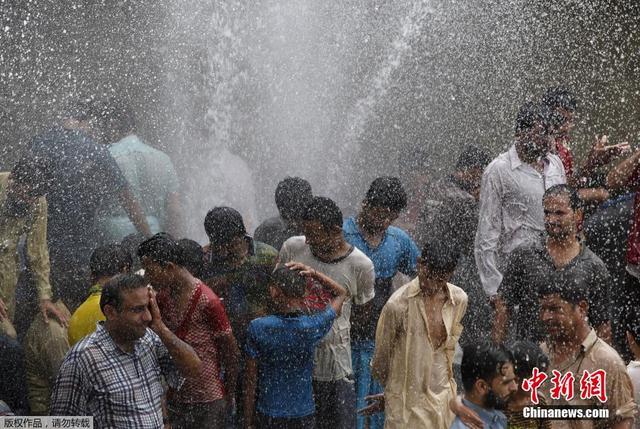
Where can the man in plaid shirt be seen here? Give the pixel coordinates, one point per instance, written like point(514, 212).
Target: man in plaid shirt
point(115, 373)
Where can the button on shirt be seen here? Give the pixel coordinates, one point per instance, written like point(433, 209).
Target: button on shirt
point(510, 212)
point(119, 389)
point(492, 419)
point(355, 273)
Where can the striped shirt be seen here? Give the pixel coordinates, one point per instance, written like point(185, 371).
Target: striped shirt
point(120, 390)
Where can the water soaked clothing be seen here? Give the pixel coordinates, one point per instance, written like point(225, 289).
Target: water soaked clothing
point(84, 319)
point(283, 346)
point(510, 211)
point(492, 419)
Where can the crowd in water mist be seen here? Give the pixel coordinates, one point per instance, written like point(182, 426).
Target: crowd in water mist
point(445, 308)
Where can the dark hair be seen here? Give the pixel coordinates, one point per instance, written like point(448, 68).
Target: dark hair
point(568, 286)
point(130, 244)
point(560, 98)
point(27, 172)
point(290, 282)
point(223, 224)
point(440, 257)
point(112, 290)
point(325, 211)
point(531, 114)
point(80, 109)
point(292, 196)
point(386, 192)
point(162, 249)
point(482, 361)
point(109, 260)
point(192, 256)
point(634, 328)
point(526, 356)
point(117, 116)
point(473, 157)
point(563, 189)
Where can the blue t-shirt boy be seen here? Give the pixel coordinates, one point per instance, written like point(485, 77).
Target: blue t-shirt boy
point(283, 346)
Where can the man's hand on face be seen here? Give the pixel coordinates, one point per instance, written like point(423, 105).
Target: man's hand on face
point(156, 319)
point(47, 308)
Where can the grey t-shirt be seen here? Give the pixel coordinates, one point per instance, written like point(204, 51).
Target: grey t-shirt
point(356, 274)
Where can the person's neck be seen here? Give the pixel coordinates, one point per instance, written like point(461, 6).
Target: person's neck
point(562, 244)
point(369, 236)
point(184, 283)
point(570, 344)
point(476, 399)
point(125, 344)
point(519, 400)
point(339, 250)
point(431, 287)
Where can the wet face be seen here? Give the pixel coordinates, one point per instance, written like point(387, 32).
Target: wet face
point(536, 142)
point(319, 238)
point(503, 387)
point(155, 273)
point(132, 319)
point(234, 252)
point(560, 318)
point(560, 220)
point(375, 220)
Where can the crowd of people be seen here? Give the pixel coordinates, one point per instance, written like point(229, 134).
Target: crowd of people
point(444, 308)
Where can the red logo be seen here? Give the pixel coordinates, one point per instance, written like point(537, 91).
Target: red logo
point(592, 385)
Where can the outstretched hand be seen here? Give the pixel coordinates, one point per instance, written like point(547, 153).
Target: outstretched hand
point(602, 153)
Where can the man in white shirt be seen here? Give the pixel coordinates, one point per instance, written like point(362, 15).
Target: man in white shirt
point(510, 212)
point(323, 248)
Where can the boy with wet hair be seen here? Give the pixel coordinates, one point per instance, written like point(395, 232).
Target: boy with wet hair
point(280, 350)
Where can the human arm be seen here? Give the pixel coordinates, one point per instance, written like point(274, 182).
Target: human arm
point(185, 358)
point(387, 329)
point(70, 393)
point(600, 301)
point(470, 418)
point(133, 209)
point(488, 232)
point(174, 214)
point(601, 154)
point(250, 383)
point(621, 174)
point(409, 258)
point(340, 294)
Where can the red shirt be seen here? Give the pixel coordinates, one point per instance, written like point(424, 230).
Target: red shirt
point(633, 243)
point(566, 157)
point(203, 322)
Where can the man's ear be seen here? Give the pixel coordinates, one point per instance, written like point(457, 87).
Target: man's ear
point(481, 386)
point(274, 292)
point(578, 216)
point(109, 311)
point(583, 306)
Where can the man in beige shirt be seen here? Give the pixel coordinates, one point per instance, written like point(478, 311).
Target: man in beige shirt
point(573, 346)
point(415, 342)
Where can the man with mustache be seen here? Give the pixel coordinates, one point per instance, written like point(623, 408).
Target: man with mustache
point(559, 251)
point(489, 382)
point(573, 346)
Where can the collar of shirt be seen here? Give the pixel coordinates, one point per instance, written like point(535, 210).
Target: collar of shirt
point(634, 364)
point(415, 290)
point(351, 228)
point(588, 342)
point(581, 256)
point(487, 415)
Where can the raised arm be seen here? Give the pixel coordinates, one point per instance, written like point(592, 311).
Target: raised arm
point(185, 358)
point(340, 294)
point(620, 175)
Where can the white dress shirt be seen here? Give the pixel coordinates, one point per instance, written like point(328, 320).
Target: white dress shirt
point(510, 212)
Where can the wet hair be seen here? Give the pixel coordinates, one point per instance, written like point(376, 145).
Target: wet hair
point(560, 98)
point(325, 211)
point(223, 224)
point(292, 196)
point(473, 157)
point(131, 243)
point(113, 289)
point(440, 258)
point(193, 256)
point(290, 282)
point(162, 249)
point(483, 361)
point(563, 189)
point(118, 117)
point(634, 328)
point(387, 192)
point(531, 114)
point(526, 356)
point(80, 109)
point(27, 172)
point(109, 260)
point(569, 287)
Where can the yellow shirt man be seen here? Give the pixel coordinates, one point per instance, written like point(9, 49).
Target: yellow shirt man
point(84, 319)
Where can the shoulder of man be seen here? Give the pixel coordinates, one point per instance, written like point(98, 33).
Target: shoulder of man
point(457, 293)
point(294, 244)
